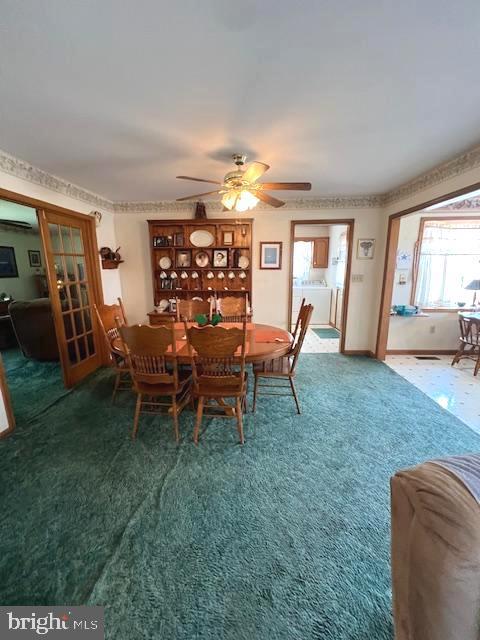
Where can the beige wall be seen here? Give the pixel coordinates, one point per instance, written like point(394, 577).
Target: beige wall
point(270, 288)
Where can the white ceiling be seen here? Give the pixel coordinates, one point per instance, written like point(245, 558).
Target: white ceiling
point(119, 97)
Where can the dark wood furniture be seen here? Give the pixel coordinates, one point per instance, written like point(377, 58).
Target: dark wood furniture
point(171, 240)
point(217, 357)
point(283, 368)
point(469, 339)
point(151, 356)
point(109, 316)
point(264, 342)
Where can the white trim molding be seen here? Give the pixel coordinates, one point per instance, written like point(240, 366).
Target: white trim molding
point(458, 165)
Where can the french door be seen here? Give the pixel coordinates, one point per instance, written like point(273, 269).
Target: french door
point(70, 251)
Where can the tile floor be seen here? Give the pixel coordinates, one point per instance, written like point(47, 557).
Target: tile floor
point(453, 388)
point(314, 344)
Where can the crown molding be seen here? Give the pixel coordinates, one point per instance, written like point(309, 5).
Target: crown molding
point(313, 203)
point(450, 169)
point(21, 169)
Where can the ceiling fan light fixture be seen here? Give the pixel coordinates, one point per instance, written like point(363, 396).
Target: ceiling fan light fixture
point(239, 200)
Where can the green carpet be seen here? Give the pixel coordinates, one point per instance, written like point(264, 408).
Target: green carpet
point(327, 333)
point(36, 385)
point(284, 538)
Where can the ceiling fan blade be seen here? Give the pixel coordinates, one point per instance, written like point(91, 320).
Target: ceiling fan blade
point(197, 195)
point(268, 199)
point(255, 170)
point(287, 186)
point(198, 179)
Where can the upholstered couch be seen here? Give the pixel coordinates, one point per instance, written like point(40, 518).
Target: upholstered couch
point(436, 550)
point(33, 325)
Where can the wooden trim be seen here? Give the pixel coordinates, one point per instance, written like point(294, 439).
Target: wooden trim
point(311, 239)
point(419, 243)
point(438, 200)
point(421, 352)
point(387, 286)
point(280, 256)
point(350, 224)
point(5, 394)
point(19, 198)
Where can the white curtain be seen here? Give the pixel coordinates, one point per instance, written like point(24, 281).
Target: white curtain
point(302, 259)
point(449, 260)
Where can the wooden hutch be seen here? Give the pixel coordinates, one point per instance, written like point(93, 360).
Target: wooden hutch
point(199, 258)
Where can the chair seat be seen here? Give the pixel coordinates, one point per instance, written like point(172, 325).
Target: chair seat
point(273, 368)
point(229, 388)
point(184, 378)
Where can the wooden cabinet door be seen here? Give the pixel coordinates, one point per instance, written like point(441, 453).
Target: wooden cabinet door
point(70, 254)
point(320, 253)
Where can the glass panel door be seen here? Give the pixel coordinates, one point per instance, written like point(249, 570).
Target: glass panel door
point(71, 267)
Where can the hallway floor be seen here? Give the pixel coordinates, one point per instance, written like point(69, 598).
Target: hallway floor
point(453, 388)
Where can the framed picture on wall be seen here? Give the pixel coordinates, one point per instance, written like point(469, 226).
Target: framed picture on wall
point(35, 258)
point(8, 264)
point(270, 255)
point(365, 248)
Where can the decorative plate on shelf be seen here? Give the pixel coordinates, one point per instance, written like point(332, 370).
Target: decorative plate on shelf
point(163, 305)
point(201, 259)
point(201, 238)
point(165, 262)
point(243, 262)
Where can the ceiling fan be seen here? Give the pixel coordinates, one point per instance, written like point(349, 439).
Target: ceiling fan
point(240, 190)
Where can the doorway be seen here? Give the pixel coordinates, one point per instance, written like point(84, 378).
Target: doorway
point(404, 277)
point(49, 282)
point(320, 263)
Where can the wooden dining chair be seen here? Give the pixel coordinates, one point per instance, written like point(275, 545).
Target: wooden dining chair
point(217, 357)
point(297, 324)
point(151, 356)
point(106, 316)
point(469, 341)
point(234, 308)
point(282, 369)
point(188, 309)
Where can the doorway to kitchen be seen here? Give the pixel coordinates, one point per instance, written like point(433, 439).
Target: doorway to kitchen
point(320, 262)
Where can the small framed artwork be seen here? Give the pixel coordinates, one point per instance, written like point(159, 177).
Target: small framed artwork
point(227, 238)
point(270, 255)
point(365, 248)
point(178, 239)
point(184, 258)
point(34, 258)
point(8, 264)
point(220, 258)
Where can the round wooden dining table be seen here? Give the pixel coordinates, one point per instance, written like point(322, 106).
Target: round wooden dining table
point(264, 342)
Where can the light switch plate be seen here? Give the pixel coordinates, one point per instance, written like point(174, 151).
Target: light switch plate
point(357, 277)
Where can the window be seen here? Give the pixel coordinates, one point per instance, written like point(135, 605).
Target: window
point(302, 259)
point(447, 259)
